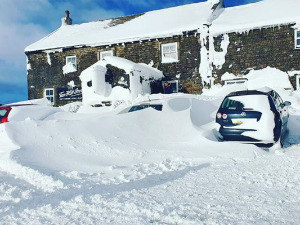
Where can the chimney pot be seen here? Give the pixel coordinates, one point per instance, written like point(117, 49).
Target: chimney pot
point(66, 20)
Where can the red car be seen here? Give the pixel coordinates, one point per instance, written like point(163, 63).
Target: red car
point(19, 112)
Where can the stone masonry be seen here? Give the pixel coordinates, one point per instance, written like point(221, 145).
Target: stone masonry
point(259, 48)
point(44, 75)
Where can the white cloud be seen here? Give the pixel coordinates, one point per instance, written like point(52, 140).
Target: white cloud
point(24, 22)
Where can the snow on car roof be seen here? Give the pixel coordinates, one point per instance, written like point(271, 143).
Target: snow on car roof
point(263, 91)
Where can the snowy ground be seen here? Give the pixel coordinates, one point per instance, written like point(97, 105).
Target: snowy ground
point(145, 167)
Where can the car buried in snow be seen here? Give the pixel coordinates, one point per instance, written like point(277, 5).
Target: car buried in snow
point(253, 116)
point(23, 111)
point(157, 105)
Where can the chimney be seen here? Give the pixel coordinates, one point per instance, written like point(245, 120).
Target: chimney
point(66, 20)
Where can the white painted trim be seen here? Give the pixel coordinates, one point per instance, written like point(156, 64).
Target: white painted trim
point(296, 38)
point(297, 82)
point(171, 82)
point(46, 96)
point(72, 56)
point(100, 56)
point(168, 59)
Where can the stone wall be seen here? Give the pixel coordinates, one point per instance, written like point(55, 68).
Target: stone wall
point(44, 75)
point(259, 48)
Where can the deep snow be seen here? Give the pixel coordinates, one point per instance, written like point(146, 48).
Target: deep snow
point(106, 166)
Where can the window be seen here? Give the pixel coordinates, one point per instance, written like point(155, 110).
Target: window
point(173, 86)
point(49, 94)
point(105, 53)
point(297, 38)
point(235, 81)
point(71, 60)
point(169, 53)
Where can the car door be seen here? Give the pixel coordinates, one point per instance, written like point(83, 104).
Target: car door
point(282, 109)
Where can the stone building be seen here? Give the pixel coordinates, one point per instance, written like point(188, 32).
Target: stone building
point(194, 45)
point(262, 34)
point(167, 39)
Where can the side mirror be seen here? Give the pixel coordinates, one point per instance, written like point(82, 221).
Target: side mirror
point(287, 103)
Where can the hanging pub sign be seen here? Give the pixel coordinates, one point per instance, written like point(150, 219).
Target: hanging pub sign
point(69, 94)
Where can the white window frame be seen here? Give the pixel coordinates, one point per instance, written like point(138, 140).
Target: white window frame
point(297, 38)
point(297, 82)
point(49, 96)
point(170, 55)
point(174, 83)
point(102, 54)
point(69, 60)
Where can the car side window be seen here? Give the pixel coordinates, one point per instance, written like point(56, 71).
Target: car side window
point(275, 99)
point(278, 100)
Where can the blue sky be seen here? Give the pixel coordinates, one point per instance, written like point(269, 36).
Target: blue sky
point(23, 22)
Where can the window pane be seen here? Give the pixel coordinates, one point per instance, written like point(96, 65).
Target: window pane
point(71, 59)
point(169, 52)
point(173, 48)
point(166, 49)
point(173, 55)
point(298, 42)
point(298, 33)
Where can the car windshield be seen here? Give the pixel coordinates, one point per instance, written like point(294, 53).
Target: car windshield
point(140, 107)
point(246, 102)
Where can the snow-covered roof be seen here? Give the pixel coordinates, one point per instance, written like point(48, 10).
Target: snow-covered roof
point(172, 21)
point(256, 15)
point(153, 24)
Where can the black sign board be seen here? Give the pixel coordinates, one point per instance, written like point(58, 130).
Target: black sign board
point(68, 94)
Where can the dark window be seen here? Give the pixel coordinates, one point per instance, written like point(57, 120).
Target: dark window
point(232, 104)
point(140, 107)
point(297, 39)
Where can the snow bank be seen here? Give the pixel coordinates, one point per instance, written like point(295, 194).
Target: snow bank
point(128, 139)
point(271, 77)
point(90, 168)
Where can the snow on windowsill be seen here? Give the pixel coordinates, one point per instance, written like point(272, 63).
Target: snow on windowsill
point(69, 68)
point(169, 61)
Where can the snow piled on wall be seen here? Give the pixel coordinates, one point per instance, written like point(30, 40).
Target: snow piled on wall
point(210, 57)
point(69, 68)
point(270, 77)
point(219, 57)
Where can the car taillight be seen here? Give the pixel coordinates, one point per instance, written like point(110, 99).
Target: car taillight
point(222, 116)
point(4, 120)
